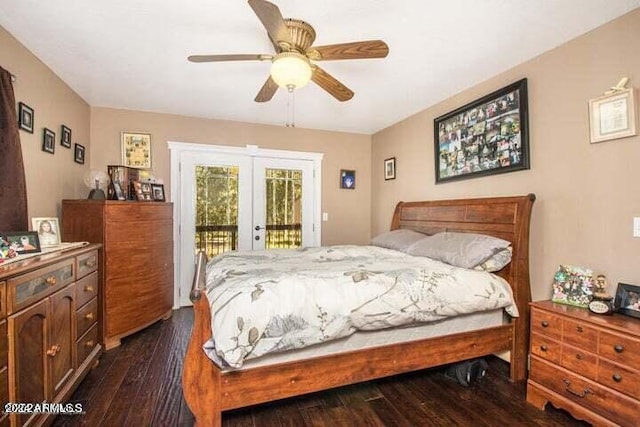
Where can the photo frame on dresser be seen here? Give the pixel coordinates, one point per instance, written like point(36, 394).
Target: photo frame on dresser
point(627, 300)
point(48, 230)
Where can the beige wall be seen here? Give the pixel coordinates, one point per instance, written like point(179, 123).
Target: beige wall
point(349, 215)
point(587, 194)
point(50, 178)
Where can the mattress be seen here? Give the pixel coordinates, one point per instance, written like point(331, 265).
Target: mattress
point(368, 339)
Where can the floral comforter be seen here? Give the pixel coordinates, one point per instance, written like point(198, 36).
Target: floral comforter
point(268, 301)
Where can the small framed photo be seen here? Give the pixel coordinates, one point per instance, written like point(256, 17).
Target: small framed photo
point(117, 190)
point(65, 138)
point(48, 230)
point(78, 154)
point(390, 169)
point(143, 191)
point(347, 179)
point(612, 116)
point(136, 150)
point(23, 242)
point(25, 117)
point(628, 300)
point(157, 191)
point(48, 141)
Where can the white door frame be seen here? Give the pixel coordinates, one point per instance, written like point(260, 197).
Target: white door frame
point(182, 151)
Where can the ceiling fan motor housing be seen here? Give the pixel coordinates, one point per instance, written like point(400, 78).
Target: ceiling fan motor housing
point(302, 35)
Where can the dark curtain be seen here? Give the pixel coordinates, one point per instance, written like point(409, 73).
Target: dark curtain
point(13, 189)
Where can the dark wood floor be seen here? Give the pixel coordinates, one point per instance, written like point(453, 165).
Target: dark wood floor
point(138, 384)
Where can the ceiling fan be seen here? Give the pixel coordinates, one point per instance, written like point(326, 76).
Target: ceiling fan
point(292, 67)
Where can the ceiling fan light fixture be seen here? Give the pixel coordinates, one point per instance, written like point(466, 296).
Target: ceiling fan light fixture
point(291, 70)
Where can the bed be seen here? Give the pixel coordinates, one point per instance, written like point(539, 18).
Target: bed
point(210, 390)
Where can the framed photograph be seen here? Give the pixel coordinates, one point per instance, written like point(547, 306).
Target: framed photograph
point(118, 194)
point(573, 285)
point(157, 191)
point(143, 191)
point(390, 169)
point(65, 138)
point(485, 137)
point(628, 300)
point(78, 154)
point(136, 150)
point(48, 141)
point(612, 116)
point(48, 230)
point(347, 179)
point(23, 242)
point(25, 117)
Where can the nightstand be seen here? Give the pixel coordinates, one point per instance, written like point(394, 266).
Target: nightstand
point(585, 363)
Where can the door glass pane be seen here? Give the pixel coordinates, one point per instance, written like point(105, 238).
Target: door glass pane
point(216, 209)
point(283, 208)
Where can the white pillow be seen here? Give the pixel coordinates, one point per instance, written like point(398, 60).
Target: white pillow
point(399, 240)
point(459, 249)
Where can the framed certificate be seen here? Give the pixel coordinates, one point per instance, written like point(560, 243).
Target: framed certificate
point(612, 116)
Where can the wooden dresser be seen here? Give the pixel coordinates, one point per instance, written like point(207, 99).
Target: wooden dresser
point(585, 363)
point(137, 260)
point(48, 329)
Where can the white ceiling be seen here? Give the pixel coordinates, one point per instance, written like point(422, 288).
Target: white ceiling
point(131, 54)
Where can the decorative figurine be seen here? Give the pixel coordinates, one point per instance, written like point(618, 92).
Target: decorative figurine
point(602, 302)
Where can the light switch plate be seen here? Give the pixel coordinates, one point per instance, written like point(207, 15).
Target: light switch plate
point(636, 227)
point(325, 216)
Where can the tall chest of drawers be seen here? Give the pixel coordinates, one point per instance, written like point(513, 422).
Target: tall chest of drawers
point(49, 329)
point(585, 363)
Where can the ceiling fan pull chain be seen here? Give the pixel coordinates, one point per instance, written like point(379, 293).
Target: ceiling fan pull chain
point(291, 104)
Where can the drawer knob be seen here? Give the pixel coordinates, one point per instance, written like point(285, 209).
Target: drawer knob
point(89, 344)
point(579, 329)
point(51, 280)
point(53, 350)
point(579, 356)
point(88, 288)
point(582, 394)
point(90, 316)
point(543, 347)
point(544, 324)
point(619, 348)
point(617, 377)
point(91, 262)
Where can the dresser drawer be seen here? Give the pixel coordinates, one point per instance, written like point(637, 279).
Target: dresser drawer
point(579, 334)
point(31, 287)
point(4, 344)
point(545, 323)
point(579, 360)
point(87, 263)
point(86, 317)
point(620, 378)
point(608, 403)
point(86, 289)
point(3, 299)
point(546, 348)
point(86, 344)
point(619, 349)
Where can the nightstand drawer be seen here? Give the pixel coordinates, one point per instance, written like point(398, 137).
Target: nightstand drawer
point(619, 349)
point(580, 361)
point(579, 335)
point(86, 316)
point(87, 343)
point(4, 344)
point(86, 289)
point(546, 348)
point(620, 378)
point(31, 287)
point(586, 393)
point(545, 323)
point(3, 299)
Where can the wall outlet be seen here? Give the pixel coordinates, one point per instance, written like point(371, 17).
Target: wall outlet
point(636, 227)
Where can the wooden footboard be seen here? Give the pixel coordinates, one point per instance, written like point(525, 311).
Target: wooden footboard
point(209, 391)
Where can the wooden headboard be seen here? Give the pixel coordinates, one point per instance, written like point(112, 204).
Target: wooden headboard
point(504, 217)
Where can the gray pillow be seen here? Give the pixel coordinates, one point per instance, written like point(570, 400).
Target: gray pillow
point(459, 249)
point(496, 262)
point(399, 240)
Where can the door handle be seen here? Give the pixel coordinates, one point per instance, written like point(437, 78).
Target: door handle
point(258, 228)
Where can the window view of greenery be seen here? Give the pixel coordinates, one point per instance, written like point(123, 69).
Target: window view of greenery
point(217, 209)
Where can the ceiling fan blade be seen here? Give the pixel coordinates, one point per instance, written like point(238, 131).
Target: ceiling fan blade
point(267, 91)
point(272, 19)
point(219, 58)
point(330, 84)
point(354, 50)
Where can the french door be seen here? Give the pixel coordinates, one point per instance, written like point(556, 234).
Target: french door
point(243, 201)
